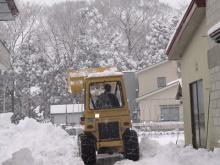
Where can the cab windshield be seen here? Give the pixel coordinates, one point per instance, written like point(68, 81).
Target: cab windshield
point(106, 95)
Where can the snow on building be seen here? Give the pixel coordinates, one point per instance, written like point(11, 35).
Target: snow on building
point(158, 87)
point(66, 114)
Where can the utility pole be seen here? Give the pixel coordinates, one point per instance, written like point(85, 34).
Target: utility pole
point(66, 116)
point(13, 96)
point(4, 102)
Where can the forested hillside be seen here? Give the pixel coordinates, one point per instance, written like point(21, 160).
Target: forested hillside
point(45, 41)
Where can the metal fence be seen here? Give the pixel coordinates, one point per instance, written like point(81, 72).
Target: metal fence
point(159, 126)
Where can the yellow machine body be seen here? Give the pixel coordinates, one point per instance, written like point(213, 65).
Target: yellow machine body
point(80, 81)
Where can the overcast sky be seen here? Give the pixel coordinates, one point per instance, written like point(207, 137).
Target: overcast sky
point(173, 3)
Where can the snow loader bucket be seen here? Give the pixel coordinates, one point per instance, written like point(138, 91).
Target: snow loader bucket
point(75, 81)
point(76, 78)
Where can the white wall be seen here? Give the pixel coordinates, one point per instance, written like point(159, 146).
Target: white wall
point(61, 118)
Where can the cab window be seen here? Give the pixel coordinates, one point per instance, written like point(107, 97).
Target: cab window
point(106, 95)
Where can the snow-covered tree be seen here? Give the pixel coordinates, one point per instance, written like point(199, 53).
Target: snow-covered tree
point(46, 41)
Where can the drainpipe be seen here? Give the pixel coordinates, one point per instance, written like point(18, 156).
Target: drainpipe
point(66, 116)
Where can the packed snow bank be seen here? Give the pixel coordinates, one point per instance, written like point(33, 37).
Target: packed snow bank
point(153, 153)
point(5, 119)
point(21, 157)
point(47, 144)
point(32, 143)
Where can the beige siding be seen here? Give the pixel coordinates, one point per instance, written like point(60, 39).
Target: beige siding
point(194, 67)
point(148, 79)
point(150, 106)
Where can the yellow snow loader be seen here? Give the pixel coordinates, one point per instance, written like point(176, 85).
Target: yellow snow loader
point(106, 119)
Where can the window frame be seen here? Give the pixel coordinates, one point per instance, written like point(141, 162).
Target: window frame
point(163, 81)
point(169, 108)
point(121, 95)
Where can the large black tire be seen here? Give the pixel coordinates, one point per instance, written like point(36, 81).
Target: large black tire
point(87, 149)
point(131, 145)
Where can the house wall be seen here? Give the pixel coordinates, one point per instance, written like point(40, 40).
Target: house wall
point(148, 79)
point(4, 57)
point(194, 67)
point(61, 118)
point(213, 17)
point(150, 106)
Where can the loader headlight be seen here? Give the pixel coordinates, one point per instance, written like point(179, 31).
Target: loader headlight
point(97, 115)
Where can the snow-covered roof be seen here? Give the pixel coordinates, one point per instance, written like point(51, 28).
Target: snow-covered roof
point(66, 108)
point(95, 72)
point(214, 28)
point(152, 66)
point(169, 85)
point(175, 81)
point(214, 32)
point(105, 74)
point(108, 72)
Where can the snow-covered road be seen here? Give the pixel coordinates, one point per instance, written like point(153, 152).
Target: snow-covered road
point(32, 143)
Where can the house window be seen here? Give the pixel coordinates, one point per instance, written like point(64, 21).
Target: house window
point(161, 82)
point(169, 113)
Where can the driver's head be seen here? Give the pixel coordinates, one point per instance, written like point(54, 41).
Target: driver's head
point(107, 88)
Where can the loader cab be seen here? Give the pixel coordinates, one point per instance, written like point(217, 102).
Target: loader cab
point(105, 94)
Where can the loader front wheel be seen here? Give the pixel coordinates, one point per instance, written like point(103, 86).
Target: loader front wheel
point(131, 145)
point(88, 149)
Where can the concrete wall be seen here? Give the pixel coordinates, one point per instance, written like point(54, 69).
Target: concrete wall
point(213, 17)
point(150, 106)
point(194, 67)
point(61, 118)
point(148, 79)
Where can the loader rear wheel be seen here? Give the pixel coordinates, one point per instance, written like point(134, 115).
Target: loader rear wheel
point(88, 149)
point(131, 145)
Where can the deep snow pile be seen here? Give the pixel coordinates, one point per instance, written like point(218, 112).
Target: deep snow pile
point(33, 143)
point(153, 153)
point(22, 157)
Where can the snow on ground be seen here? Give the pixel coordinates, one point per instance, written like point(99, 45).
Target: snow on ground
point(41, 144)
point(171, 154)
point(161, 149)
point(32, 143)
